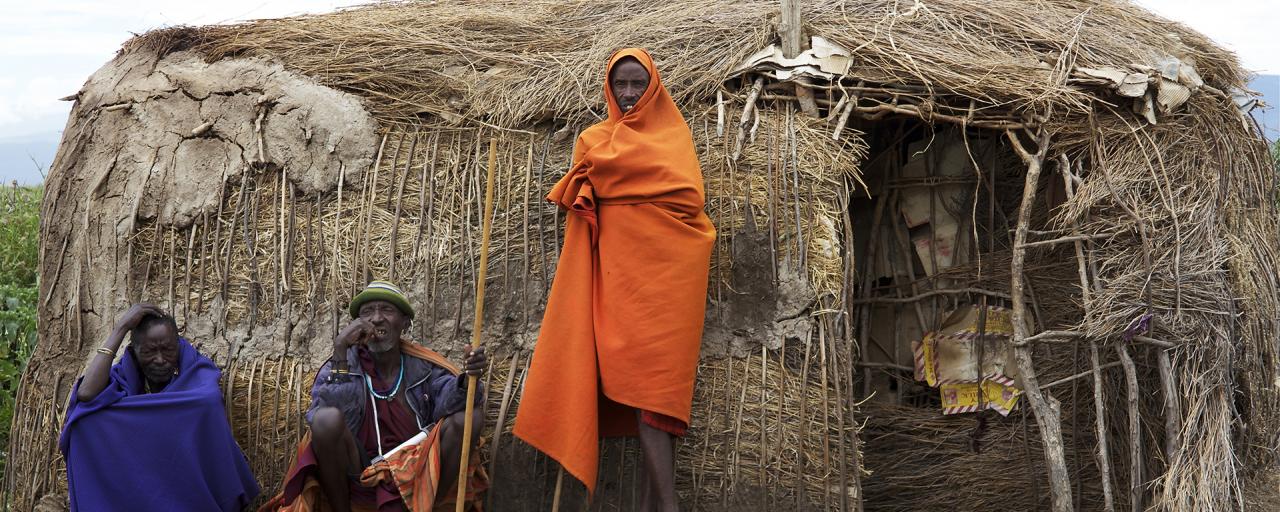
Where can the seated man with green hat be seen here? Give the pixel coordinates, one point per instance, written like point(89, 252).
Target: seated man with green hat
point(377, 391)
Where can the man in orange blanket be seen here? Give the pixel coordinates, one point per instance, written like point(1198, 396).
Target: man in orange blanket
point(618, 349)
point(377, 391)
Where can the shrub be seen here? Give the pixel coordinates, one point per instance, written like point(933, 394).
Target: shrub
point(19, 257)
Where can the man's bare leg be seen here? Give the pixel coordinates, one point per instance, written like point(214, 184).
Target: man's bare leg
point(336, 456)
point(658, 451)
point(451, 444)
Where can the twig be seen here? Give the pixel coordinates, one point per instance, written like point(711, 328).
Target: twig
point(1080, 375)
point(748, 110)
point(931, 293)
point(1073, 238)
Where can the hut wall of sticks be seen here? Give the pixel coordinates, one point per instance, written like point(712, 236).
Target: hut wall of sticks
point(1069, 182)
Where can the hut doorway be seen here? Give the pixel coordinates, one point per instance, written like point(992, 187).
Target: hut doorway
point(935, 216)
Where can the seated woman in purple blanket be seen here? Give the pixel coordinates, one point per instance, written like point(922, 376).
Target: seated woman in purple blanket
point(150, 432)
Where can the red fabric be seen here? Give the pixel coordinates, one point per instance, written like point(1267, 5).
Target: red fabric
point(664, 423)
point(396, 421)
point(396, 424)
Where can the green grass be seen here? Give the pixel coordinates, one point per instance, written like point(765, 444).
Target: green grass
point(19, 257)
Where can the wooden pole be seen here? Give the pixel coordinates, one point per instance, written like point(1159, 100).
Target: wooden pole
point(1135, 429)
point(1099, 410)
point(790, 32)
point(1104, 455)
point(475, 326)
point(1172, 407)
point(1046, 409)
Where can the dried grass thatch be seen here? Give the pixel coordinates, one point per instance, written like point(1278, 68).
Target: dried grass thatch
point(1174, 220)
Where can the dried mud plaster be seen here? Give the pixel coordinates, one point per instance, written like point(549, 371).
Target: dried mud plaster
point(174, 128)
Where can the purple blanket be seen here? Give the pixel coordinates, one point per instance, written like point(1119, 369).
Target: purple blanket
point(167, 450)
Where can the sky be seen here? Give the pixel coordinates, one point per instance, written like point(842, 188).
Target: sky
point(49, 48)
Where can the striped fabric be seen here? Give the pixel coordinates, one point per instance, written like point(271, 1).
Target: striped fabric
point(386, 286)
point(415, 470)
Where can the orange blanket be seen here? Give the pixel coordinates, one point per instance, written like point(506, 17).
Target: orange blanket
point(415, 470)
point(623, 323)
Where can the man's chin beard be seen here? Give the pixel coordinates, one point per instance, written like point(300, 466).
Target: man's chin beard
point(379, 347)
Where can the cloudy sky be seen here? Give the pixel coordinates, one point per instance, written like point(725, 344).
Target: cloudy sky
point(49, 48)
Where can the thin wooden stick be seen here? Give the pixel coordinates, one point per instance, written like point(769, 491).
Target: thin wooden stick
point(475, 330)
point(337, 233)
point(555, 499)
point(524, 285)
point(1135, 429)
point(395, 225)
point(1104, 455)
point(1172, 408)
point(502, 417)
point(1080, 375)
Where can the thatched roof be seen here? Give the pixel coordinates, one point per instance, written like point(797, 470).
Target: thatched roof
point(515, 62)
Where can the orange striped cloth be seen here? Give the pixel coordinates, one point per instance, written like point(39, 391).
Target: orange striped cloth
point(415, 471)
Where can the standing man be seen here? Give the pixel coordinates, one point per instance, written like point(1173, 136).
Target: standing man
point(150, 432)
point(618, 351)
point(377, 391)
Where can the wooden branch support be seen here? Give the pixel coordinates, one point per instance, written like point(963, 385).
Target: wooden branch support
point(720, 112)
point(1044, 408)
point(748, 109)
point(844, 115)
point(1135, 429)
point(1156, 342)
point(929, 294)
point(791, 33)
point(1065, 239)
point(1100, 417)
point(1172, 409)
point(888, 366)
point(1080, 375)
point(1048, 335)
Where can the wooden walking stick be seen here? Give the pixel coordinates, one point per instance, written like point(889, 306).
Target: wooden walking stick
point(475, 326)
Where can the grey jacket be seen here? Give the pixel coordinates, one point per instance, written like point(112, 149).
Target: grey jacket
point(432, 392)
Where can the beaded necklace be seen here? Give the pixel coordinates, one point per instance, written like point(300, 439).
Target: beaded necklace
point(390, 394)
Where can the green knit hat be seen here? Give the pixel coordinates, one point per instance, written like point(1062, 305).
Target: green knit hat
point(381, 290)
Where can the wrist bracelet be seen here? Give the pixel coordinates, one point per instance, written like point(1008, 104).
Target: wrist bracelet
point(106, 351)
